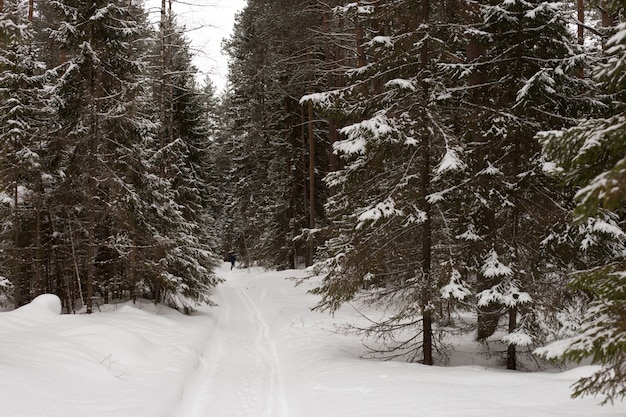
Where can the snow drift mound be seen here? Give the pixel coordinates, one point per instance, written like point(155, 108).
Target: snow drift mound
point(43, 304)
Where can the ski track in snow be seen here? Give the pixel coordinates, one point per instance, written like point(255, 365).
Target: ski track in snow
point(238, 373)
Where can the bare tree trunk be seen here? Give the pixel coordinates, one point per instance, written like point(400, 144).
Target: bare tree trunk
point(31, 7)
point(92, 171)
point(311, 183)
point(511, 360)
point(581, 21)
point(132, 271)
point(91, 213)
point(426, 237)
point(21, 295)
point(75, 261)
point(581, 29)
point(38, 261)
point(511, 354)
point(360, 39)
point(607, 19)
point(331, 83)
point(305, 186)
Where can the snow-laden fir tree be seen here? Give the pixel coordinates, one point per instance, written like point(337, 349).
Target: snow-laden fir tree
point(120, 190)
point(23, 151)
point(389, 241)
point(592, 157)
point(274, 62)
point(521, 72)
point(184, 198)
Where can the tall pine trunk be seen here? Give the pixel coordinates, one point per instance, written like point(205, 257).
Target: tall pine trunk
point(311, 183)
point(427, 337)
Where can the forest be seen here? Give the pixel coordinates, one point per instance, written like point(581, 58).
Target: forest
point(436, 159)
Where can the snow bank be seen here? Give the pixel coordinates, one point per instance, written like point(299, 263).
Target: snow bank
point(130, 362)
point(261, 353)
point(43, 304)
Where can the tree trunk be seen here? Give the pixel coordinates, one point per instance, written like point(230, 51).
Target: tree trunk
point(38, 261)
point(311, 183)
point(305, 186)
point(91, 215)
point(511, 362)
point(162, 75)
point(331, 83)
point(426, 237)
point(511, 355)
point(581, 29)
point(360, 39)
point(22, 295)
point(581, 21)
point(132, 268)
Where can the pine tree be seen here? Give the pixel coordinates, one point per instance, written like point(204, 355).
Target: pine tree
point(273, 63)
point(389, 238)
point(22, 137)
point(522, 73)
point(98, 94)
point(590, 157)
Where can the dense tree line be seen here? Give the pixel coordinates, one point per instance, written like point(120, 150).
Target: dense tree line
point(440, 156)
point(427, 157)
point(105, 168)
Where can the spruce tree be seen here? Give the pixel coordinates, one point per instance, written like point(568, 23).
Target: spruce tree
point(23, 109)
point(522, 74)
point(183, 216)
point(273, 63)
point(99, 94)
point(591, 157)
point(389, 240)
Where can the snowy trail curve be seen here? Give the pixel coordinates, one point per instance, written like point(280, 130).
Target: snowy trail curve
point(264, 353)
point(239, 372)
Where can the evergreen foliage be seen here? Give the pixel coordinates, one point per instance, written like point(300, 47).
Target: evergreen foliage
point(428, 157)
point(273, 63)
point(389, 242)
point(520, 76)
point(590, 157)
point(96, 206)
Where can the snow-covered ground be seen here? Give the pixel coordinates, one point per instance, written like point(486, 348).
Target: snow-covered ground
point(261, 353)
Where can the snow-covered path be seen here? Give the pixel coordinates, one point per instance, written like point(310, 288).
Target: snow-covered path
point(268, 355)
point(239, 372)
point(261, 353)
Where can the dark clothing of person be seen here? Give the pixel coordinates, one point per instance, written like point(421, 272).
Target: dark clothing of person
point(232, 261)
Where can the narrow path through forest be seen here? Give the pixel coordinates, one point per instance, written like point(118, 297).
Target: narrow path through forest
point(262, 352)
point(238, 372)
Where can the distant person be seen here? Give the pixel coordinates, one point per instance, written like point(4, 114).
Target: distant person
point(233, 258)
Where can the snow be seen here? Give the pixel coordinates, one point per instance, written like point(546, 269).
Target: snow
point(554, 350)
point(384, 40)
point(376, 127)
point(456, 288)
point(470, 235)
point(401, 83)
point(261, 353)
point(494, 268)
point(383, 209)
point(450, 162)
point(517, 339)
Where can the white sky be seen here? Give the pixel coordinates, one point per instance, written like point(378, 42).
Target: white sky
point(207, 22)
